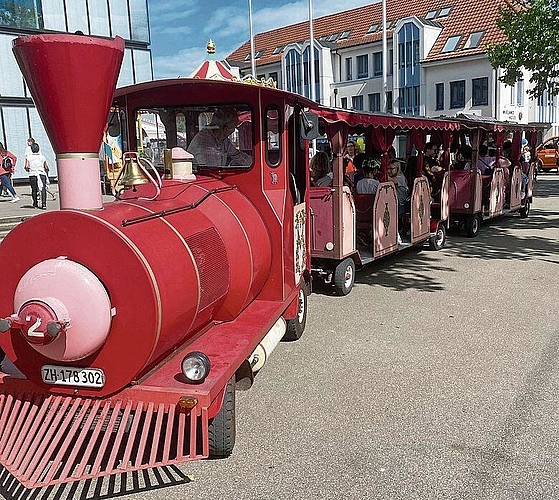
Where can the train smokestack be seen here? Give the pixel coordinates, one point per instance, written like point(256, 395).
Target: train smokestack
point(72, 80)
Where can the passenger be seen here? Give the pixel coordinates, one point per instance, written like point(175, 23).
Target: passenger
point(358, 164)
point(211, 147)
point(321, 171)
point(351, 150)
point(485, 162)
point(369, 185)
point(430, 162)
point(397, 177)
point(464, 159)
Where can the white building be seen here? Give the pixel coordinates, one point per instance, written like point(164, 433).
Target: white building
point(436, 61)
point(18, 117)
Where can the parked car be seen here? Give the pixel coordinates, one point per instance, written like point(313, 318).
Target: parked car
point(548, 155)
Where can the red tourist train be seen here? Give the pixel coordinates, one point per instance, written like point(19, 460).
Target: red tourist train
point(128, 326)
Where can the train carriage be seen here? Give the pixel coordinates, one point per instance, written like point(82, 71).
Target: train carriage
point(129, 325)
point(475, 195)
point(349, 229)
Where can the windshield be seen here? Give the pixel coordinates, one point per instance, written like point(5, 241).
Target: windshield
point(218, 136)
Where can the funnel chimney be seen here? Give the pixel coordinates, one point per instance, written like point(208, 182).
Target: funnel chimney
point(72, 80)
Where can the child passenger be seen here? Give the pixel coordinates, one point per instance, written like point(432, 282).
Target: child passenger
point(368, 185)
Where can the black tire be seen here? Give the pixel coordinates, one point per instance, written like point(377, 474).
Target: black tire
point(221, 429)
point(344, 276)
point(296, 325)
point(472, 225)
point(525, 210)
point(438, 241)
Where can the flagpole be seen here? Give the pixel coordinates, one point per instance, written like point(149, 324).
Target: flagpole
point(252, 60)
point(311, 51)
point(384, 58)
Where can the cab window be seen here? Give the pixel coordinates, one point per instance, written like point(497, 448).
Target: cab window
point(218, 136)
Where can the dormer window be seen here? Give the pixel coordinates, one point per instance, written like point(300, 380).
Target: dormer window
point(451, 43)
point(473, 40)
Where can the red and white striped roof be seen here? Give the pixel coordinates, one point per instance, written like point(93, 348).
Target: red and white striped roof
point(214, 70)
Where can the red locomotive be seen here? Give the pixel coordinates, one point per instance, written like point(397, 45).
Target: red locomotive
point(130, 324)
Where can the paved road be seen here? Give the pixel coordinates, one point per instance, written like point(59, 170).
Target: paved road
point(436, 378)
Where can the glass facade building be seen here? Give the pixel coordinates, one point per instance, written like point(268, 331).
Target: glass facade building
point(18, 117)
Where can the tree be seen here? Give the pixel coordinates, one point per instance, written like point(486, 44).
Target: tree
point(532, 29)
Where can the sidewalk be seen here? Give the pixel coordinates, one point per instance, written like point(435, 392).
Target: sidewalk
point(24, 207)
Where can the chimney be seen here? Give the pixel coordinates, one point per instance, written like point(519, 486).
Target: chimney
point(72, 79)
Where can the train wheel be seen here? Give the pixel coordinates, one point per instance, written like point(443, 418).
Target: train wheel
point(296, 326)
point(472, 225)
point(221, 429)
point(344, 276)
point(437, 242)
point(525, 210)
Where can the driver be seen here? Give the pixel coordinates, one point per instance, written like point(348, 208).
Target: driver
point(211, 147)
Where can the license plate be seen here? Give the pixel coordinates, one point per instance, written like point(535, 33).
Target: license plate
point(74, 376)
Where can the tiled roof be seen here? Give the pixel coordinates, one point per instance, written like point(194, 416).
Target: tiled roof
point(465, 17)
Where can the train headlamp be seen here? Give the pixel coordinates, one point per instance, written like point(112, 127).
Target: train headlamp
point(195, 367)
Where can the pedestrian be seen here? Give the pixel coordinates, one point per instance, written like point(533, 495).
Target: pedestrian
point(6, 170)
point(36, 165)
point(28, 151)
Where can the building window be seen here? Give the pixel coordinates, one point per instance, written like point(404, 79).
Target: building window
point(458, 94)
point(345, 35)
point(480, 91)
point(512, 95)
point(363, 66)
point(348, 69)
point(451, 43)
point(278, 49)
point(431, 14)
point(520, 93)
point(377, 63)
point(274, 76)
point(357, 102)
point(372, 29)
point(21, 14)
point(374, 102)
point(344, 102)
point(439, 92)
point(293, 71)
point(444, 12)
point(332, 38)
point(389, 107)
point(473, 40)
point(259, 54)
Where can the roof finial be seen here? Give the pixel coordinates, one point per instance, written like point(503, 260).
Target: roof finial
point(210, 47)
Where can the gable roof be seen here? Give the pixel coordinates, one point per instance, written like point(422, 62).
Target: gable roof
point(464, 17)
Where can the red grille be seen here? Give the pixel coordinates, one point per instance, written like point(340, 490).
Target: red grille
point(211, 259)
point(62, 439)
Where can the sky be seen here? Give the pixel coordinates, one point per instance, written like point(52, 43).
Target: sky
point(180, 29)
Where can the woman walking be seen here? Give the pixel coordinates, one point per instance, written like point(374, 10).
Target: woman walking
point(7, 165)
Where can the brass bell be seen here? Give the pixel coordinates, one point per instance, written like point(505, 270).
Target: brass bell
point(132, 175)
